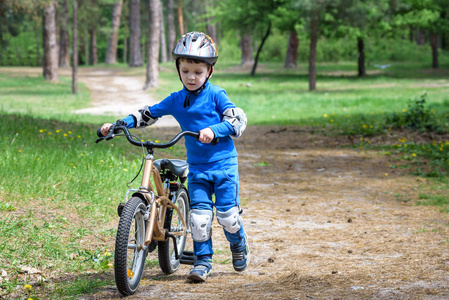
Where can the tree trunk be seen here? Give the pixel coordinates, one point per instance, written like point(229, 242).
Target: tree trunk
point(135, 55)
point(50, 69)
point(125, 46)
point(361, 59)
point(247, 50)
point(152, 71)
point(312, 54)
point(75, 48)
point(93, 46)
point(291, 58)
point(253, 71)
point(421, 37)
point(180, 18)
point(162, 38)
point(171, 34)
point(86, 47)
point(111, 54)
point(64, 45)
point(434, 46)
point(210, 26)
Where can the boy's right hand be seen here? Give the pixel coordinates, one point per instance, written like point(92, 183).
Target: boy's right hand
point(105, 128)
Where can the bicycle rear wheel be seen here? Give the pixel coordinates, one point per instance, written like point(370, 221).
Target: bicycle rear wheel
point(130, 254)
point(166, 250)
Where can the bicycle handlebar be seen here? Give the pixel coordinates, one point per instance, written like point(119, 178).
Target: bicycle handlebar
point(120, 126)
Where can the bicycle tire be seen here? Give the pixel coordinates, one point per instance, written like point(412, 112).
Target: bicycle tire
point(166, 254)
point(129, 258)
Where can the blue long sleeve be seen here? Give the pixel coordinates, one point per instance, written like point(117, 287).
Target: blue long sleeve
point(222, 129)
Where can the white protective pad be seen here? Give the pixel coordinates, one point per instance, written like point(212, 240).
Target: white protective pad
point(237, 117)
point(143, 117)
point(201, 224)
point(230, 220)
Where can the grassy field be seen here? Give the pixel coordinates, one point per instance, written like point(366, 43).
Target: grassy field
point(59, 188)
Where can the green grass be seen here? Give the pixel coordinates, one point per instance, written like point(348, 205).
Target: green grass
point(59, 190)
point(435, 200)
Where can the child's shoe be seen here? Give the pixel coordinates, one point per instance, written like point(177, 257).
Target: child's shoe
point(240, 255)
point(200, 271)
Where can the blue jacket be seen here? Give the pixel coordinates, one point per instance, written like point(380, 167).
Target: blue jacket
point(196, 112)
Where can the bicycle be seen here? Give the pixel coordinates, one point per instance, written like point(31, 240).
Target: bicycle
point(149, 219)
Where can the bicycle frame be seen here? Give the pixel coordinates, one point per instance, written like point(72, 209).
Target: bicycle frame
point(158, 202)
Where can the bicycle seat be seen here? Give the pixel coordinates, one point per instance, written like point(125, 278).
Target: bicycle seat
point(179, 167)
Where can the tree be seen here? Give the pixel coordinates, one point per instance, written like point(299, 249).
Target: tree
point(429, 15)
point(313, 44)
point(75, 48)
point(247, 50)
point(111, 54)
point(135, 56)
point(163, 41)
point(211, 27)
point(64, 45)
point(287, 18)
point(291, 57)
point(50, 69)
point(171, 31)
point(250, 17)
point(152, 70)
point(180, 18)
point(360, 20)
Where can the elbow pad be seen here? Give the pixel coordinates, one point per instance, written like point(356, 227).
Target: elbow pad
point(237, 118)
point(143, 118)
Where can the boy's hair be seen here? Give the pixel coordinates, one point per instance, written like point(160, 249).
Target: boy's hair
point(193, 61)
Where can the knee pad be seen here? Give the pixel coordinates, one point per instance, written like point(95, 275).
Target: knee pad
point(230, 220)
point(201, 224)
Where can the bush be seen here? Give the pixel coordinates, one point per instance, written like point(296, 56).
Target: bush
point(418, 117)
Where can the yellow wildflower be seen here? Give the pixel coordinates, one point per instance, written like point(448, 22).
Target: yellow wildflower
point(27, 287)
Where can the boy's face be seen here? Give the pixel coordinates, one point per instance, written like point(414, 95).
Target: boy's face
point(193, 75)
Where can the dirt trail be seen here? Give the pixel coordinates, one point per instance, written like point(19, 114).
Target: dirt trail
point(324, 222)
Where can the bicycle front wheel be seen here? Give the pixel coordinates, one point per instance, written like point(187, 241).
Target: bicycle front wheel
point(166, 250)
point(130, 252)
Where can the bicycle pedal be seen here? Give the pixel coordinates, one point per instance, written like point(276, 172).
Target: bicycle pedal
point(187, 258)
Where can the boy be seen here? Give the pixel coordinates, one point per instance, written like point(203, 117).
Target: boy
point(213, 169)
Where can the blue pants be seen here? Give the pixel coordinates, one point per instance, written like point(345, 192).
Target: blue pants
point(222, 179)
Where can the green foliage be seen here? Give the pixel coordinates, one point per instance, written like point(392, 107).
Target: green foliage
point(418, 117)
point(434, 200)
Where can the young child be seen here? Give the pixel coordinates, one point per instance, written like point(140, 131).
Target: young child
point(213, 169)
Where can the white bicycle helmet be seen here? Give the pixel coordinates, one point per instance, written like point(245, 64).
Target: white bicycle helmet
point(196, 45)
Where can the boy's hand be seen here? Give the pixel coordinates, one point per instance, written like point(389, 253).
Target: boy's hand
point(105, 129)
point(206, 135)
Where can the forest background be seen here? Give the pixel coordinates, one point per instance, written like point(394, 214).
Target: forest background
point(46, 33)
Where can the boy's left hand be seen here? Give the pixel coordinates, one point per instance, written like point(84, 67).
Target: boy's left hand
point(206, 135)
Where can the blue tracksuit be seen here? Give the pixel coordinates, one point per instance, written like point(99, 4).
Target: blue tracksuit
point(213, 169)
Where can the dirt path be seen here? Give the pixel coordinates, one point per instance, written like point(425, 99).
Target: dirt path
point(324, 222)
